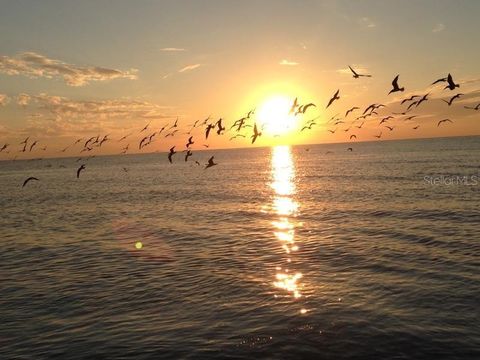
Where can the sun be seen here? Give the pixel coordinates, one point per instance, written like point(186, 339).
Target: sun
point(274, 115)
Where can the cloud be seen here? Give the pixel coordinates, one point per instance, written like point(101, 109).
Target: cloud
point(4, 99)
point(189, 68)
point(35, 65)
point(172, 49)
point(288, 63)
point(23, 99)
point(438, 27)
point(366, 22)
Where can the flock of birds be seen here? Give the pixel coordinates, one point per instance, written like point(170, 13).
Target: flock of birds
point(247, 126)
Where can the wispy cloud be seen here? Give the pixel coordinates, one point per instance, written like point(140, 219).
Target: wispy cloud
point(288, 63)
point(367, 22)
point(35, 65)
point(4, 99)
point(438, 27)
point(189, 68)
point(23, 99)
point(172, 49)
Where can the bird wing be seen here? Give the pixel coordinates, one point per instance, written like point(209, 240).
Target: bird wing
point(353, 71)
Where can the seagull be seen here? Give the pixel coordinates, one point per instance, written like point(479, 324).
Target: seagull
point(145, 128)
point(424, 98)
point(444, 120)
point(124, 137)
point(357, 75)
point(170, 154)
point(411, 105)
point(4, 147)
point(294, 106)
point(235, 136)
point(353, 136)
point(410, 117)
point(332, 131)
point(389, 127)
point(190, 142)
point(335, 97)
point(82, 167)
point(26, 181)
point(350, 110)
point(385, 119)
point(187, 155)
point(256, 133)
point(416, 127)
point(379, 135)
point(196, 162)
point(125, 149)
point(210, 163)
point(305, 107)
point(409, 99)
point(473, 108)
point(33, 145)
point(451, 85)
point(360, 126)
point(24, 142)
point(350, 149)
point(449, 102)
point(207, 131)
point(175, 124)
point(220, 127)
point(395, 86)
point(141, 144)
point(439, 80)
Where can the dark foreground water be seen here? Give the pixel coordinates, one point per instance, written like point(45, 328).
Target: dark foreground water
point(281, 253)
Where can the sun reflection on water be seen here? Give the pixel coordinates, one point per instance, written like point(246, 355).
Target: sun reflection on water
point(285, 206)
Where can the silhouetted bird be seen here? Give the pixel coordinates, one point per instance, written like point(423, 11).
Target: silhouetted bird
point(424, 98)
point(28, 180)
point(449, 102)
point(395, 86)
point(171, 153)
point(473, 108)
point(82, 167)
point(256, 133)
point(350, 149)
point(190, 141)
point(409, 99)
point(335, 97)
point(208, 129)
point(188, 154)
point(416, 127)
point(444, 121)
point(145, 128)
point(210, 163)
point(350, 110)
point(294, 106)
point(379, 135)
point(451, 84)
point(353, 136)
point(220, 127)
point(357, 75)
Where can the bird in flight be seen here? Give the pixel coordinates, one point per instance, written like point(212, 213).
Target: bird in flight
point(28, 180)
point(350, 110)
point(449, 102)
point(4, 147)
point(353, 136)
point(294, 106)
point(256, 133)
point(451, 84)
point(305, 107)
point(360, 126)
point(335, 97)
point(409, 99)
point(395, 86)
point(220, 127)
point(424, 98)
point(145, 128)
point(379, 135)
point(390, 127)
point(473, 107)
point(190, 141)
point(210, 163)
point(444, 121)
point(410, 117)
point(187, 155)
point(332, 131)
point(79, 170)
point(350, 149)
point(208, 129)
point(124, 137)
point(416, 127)
point(357, 75)
point(170, 154)
point(439, 80)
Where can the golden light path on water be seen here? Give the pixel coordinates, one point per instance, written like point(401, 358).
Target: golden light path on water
point(284, 205)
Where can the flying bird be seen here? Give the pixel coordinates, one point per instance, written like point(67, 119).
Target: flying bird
point(187, 155)
point(210, 163)
point(28, 180)
point(208, 129)
point(353, 136)
point(449, 102)
point(395, 86)
point(357, 75)
point(350, 110)
point(390, 127)
point(145, 128)
point(451, 84)
point(444, 121)
point(190, 141)
point(82, 167)
point(473, 107)
point(424, 98)
point(350, 149)
point(409, 99)
point(416, 127)
point(171, 153)
point(294, 106)
point(305, 107)
point(256, 133)
point(335, 97)
point(379, 135)
point(220, 127)
point(439, 80)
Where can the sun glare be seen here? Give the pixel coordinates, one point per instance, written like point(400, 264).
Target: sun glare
point(274, 115)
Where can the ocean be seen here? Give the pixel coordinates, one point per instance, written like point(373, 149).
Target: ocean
point(289, 252)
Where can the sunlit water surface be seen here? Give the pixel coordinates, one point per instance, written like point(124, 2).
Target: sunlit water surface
point(280, 253)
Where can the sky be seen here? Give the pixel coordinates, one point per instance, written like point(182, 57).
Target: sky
point(73, 70)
